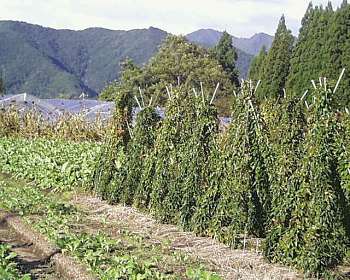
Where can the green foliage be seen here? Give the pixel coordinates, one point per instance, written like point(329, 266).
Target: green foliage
point(244, 199)
point(322, 51)
point(51, 164)
point(131, 79)
point(317, 234)
point(226, 54)
point(8, 266)
point(127, 179)
point(344, 155)
point(277, 63)
point(174, 132)
point(256, 69)
point(177, 62)
point(109, 159)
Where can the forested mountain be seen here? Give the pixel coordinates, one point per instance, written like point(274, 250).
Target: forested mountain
point(252, 46)
point(246, 48)
point(49, 63)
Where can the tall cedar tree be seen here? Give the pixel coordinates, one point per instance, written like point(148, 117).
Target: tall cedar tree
point(226, 54)
point(257, 67)
point(310, 58)
point(338, 53)
point(277, 63)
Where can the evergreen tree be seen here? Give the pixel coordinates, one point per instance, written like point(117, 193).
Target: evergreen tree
point(277, 63)
point(344, 4)
point(310, 58)
point(257, 66)
point(226, 54)
point(338, 56)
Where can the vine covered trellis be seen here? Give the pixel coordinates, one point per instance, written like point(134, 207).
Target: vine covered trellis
point(280, 171)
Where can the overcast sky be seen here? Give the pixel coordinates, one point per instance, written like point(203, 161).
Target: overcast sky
point(239, 17)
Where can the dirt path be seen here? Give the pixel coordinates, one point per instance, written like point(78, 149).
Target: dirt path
point(231, 264)
point(28, 261)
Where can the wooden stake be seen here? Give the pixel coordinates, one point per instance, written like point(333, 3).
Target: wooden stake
point(168, 92)
point(257, 86)
point(195, 92)
point(339, 80)
point(307, 105)
point(203, 99)
point(143, 102)
point(129, 129)
point(138, 103)
point(216, 89)
point(304, 95)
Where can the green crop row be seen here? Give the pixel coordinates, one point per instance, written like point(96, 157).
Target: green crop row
point(104, 256)
point(51, 164)
point(279, 172)
point(8, 266)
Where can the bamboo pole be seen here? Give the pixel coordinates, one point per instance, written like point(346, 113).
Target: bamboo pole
point(216, 89)
point(339, 80)
point(138, 103)
point(142, 100)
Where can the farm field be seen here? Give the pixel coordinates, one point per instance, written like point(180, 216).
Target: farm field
point(236, 187)
point(108, 250)
point(157, 185)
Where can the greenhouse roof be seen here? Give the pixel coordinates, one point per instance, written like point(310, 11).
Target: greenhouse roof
point(53, 108)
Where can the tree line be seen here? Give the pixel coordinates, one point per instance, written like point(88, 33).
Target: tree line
point(321, 50)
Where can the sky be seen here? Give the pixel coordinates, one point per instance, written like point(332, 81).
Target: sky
point(241, 18)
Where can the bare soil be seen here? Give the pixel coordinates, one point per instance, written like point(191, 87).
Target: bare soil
point(28, 260)
point(229, 263)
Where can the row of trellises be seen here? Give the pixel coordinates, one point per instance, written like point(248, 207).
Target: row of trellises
point(280, 172)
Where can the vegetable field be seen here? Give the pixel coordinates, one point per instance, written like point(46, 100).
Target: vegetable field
point(277, 178)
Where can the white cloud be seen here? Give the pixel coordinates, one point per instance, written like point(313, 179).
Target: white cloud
point(239, 17)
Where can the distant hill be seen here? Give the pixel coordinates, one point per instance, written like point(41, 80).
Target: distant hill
point(52, 63)
point(252, 46)
point(62, 63)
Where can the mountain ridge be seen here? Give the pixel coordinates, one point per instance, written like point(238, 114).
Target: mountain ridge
point(48, 62)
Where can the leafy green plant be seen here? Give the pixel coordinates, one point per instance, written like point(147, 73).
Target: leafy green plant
point(51, 164)
point(316, 237)
point(8, 266)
